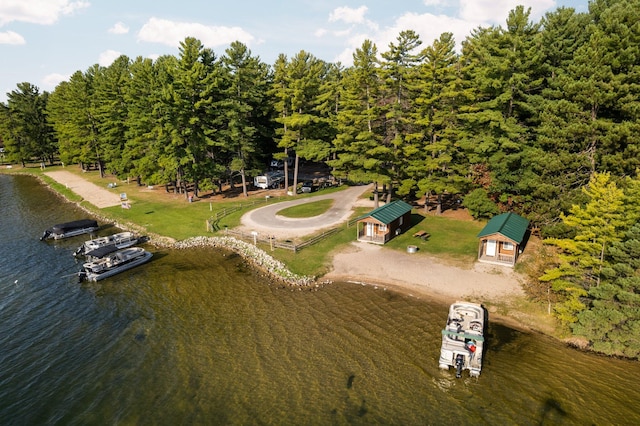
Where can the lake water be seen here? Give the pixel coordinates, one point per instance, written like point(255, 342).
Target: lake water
point(199, 337)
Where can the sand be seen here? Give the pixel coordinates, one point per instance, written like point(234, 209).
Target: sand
point(99, 197)
point(423, 275)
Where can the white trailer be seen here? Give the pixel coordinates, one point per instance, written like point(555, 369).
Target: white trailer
point(269, 180)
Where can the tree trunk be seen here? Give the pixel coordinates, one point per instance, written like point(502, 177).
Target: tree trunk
point(295, 174)
point(376, 200)
point(244, 183)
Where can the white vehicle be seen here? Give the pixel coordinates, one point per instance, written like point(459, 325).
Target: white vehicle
point(269, 180)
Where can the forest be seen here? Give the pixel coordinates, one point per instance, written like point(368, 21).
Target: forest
point(540, 118)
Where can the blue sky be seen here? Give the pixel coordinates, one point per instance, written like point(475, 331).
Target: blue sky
point(43, 42)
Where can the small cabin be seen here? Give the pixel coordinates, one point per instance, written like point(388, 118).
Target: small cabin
point(501, 239)
point(384, 223)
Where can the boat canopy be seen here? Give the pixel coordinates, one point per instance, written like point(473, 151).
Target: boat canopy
point(76, 224)
point(102, 251)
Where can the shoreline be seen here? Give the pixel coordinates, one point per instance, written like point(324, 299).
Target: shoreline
point(413, 275)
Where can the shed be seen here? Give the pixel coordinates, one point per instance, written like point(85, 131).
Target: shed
point(501, 239)
point(384, 223)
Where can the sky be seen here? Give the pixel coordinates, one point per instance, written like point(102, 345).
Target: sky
point(43, 42)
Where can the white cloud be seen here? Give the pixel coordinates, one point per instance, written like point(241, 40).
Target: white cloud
point(348, 15)
point(429, 27)
point(44, 12)
point(107, 57)
point(50, 81)
point(471, 14)
point(10, 37)
point(496, 11)
point(119, 28)
point(172, 33)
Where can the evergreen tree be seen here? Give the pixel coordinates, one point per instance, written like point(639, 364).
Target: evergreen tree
point(245, 95)
point(360, 155)
point(111, 114)
point(304, 75)
point(24, 127)
point(399, 73)
point(559, 167)
point(190, 114)
point(502, 73)
point(434, 162)
point(612, 322)
point(596, 225)
point(72, 112)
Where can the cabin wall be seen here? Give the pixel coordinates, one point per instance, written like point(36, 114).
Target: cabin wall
point(498, 249)
point(374, 231)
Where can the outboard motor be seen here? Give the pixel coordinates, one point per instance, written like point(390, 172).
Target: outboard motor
point(79, 251)
point(459, 365)
point(45, 235)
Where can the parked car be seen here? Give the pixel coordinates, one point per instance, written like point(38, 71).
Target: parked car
point(308, 186)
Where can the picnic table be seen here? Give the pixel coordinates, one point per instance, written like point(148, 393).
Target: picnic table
point(422, 234)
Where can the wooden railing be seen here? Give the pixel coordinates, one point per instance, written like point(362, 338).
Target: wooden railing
point(275, 243)
point(371, 238)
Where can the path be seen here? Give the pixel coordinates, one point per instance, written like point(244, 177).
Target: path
point(94, 194)
point(267, 221)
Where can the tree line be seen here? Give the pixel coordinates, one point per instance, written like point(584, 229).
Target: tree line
point(525, 118)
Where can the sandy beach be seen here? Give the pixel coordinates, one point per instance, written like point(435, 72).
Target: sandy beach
point(369, 264)
point(99, 197)
point(421, 275)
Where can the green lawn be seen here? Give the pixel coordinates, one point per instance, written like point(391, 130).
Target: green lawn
point(450, 239)
point(314, 208)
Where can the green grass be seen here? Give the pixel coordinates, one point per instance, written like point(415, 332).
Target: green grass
point(451, 239)
point(314, 208)
point(315, 260)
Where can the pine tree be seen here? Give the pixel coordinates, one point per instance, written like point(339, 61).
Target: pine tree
point(359, 154)
point(502, 74)
point(399, 68)
point(111, 114)
point(24, 127)
point(596, 226)
point(612, 322)
point(248, 79)
point(434, 162)
point(191, 114)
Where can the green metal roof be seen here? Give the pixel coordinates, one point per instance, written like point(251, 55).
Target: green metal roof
point(509, 224)
point(389, 212)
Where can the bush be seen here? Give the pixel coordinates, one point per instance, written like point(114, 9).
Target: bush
point(480, 205)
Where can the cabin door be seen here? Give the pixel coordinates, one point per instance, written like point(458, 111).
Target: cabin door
point(369, 229)
point(491, 248)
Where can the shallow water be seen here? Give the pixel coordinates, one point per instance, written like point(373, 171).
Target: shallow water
point(199, 337)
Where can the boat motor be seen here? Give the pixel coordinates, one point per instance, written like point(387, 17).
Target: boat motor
point(45, 235)
point(459, 365)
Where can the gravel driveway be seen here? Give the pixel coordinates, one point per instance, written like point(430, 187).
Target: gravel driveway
point(266, 221)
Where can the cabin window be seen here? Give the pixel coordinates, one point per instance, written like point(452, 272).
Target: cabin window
point(383, 228)
point(507, 246)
